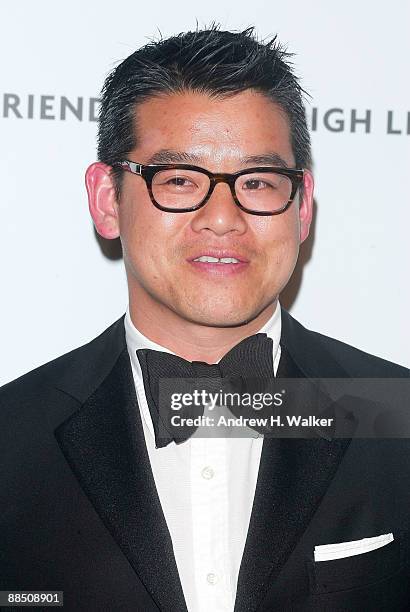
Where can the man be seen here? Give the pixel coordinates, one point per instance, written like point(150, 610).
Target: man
point(204, 174)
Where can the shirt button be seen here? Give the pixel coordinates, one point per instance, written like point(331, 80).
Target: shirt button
point(211, 578)
point(207, 473)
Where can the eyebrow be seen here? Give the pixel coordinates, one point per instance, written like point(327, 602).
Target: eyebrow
point(169, 156)
point(270, 159)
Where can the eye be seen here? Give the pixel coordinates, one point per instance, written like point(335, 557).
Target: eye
point(175, 181)
point(256, 184)
point(178, 181)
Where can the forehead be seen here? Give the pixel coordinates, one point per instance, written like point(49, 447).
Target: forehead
point(213, 130)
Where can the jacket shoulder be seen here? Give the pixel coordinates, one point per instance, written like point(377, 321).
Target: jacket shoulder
point(77, 372)
point(315, 347)
point(358, 362)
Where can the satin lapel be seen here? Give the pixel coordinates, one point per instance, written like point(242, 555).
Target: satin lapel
point(104, 445)
point(293, 477)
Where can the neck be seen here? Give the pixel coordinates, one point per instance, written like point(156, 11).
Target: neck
point(190, 340)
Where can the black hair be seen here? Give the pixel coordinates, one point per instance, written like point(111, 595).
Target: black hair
point(210, 61)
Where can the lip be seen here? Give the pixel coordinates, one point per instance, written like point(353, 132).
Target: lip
point(219, 253)
point(217, 269)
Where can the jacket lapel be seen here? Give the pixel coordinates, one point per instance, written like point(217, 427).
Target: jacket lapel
point(104, 445)
point(293, 477)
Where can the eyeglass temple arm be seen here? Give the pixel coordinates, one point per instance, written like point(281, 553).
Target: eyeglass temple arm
point(131, 166)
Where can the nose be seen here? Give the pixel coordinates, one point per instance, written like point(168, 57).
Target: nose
point(220, 214)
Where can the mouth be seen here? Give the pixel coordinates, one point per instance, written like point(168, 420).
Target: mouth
point(219, 263)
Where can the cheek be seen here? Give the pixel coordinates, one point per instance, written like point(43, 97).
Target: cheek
point(148, 235)
point(279, 236)
point(136, 232)
point(280, 251)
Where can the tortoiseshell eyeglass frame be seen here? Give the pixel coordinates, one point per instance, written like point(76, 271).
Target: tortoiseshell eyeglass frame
point(147, 172)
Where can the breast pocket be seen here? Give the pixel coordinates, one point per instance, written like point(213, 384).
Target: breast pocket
point(355, 571)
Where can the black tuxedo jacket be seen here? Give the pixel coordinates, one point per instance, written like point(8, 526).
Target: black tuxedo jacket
point(79, 511)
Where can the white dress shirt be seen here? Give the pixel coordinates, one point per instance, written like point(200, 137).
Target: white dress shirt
point(206, 487)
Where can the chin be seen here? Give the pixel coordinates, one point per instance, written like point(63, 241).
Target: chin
point(220, 322)
point(222, 318)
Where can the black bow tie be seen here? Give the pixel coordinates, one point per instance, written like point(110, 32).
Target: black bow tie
point(252, 358)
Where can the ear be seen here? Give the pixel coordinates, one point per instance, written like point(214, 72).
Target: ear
point(101, 200)
point(306, 205)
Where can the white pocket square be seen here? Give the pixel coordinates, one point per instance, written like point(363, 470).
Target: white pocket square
point(328, 552)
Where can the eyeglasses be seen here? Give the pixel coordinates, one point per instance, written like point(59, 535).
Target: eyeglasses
point(185, 188)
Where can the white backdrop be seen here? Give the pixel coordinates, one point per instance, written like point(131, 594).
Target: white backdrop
point(59, 289)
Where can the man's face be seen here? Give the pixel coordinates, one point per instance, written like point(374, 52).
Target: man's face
point(159, 247)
